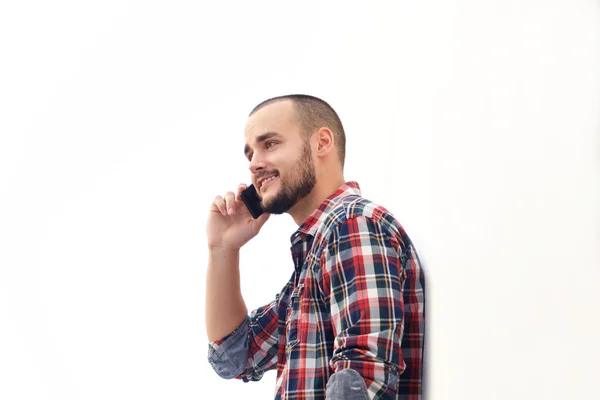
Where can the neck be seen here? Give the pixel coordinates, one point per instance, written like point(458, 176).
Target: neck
point(302, 210)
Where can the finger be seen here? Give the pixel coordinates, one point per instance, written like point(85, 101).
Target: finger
point(240, 189)
point(230, 203)
point(220, 204)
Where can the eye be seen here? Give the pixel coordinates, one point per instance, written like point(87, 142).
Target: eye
point(266, 145)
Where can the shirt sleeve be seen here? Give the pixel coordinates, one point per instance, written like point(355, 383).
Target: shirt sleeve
point(362, 280)
point(251, 349)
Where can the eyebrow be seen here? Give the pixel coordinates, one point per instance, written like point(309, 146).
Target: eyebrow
point(260, 139)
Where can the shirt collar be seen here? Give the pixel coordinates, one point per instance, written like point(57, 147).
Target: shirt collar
point(314, 220)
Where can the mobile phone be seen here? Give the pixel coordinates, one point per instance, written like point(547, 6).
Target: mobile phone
point(252, 201)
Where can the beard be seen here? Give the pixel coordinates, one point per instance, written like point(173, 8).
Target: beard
point(294, 190)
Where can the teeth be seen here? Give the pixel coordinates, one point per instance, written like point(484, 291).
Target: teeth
point(267, 180)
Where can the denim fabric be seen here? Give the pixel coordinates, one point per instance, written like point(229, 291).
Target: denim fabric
point(230, 358)
point(346, 384)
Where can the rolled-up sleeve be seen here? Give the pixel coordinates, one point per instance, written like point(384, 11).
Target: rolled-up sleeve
point(228, 356)
point(251, 349)
point(363, 278)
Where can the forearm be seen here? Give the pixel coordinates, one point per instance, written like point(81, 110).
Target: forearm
point(225, 306)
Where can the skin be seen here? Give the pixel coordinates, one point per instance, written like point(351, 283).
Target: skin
point(307, 173)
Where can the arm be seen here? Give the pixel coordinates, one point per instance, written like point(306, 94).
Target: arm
point(237, 342)
point(363, 277)
point(241, 346)
point(225, 306)
point(251, 349)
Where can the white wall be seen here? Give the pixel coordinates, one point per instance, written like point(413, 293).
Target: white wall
point(475, 122)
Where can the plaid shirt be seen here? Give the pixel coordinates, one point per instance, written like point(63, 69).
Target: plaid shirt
point(349, 324)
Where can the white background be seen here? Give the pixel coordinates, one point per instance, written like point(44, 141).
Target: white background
point(475, 122)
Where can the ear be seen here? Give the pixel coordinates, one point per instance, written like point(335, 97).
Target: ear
point(325, 141)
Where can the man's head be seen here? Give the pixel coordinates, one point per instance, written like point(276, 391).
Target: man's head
point(298, 139)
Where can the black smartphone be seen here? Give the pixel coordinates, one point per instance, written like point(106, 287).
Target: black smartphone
point(252, 201)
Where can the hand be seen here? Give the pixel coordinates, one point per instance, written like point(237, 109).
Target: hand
point(230, 225)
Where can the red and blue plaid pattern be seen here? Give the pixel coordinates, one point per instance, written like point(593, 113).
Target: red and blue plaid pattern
point(355, 300)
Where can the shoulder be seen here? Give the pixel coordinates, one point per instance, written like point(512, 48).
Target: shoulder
point(356, 215)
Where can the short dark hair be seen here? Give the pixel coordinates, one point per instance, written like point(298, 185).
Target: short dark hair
point(313, 113)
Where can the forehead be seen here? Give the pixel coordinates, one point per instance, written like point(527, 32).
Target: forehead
point(276, 117)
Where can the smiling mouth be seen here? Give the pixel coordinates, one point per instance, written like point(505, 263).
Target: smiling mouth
point(265, 184)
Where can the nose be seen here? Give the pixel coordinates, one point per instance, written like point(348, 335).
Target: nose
point(256, 165)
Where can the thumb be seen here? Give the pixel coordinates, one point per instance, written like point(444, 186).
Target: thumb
point(260, 221)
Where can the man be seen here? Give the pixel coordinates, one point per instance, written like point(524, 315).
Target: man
point(350, 322)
